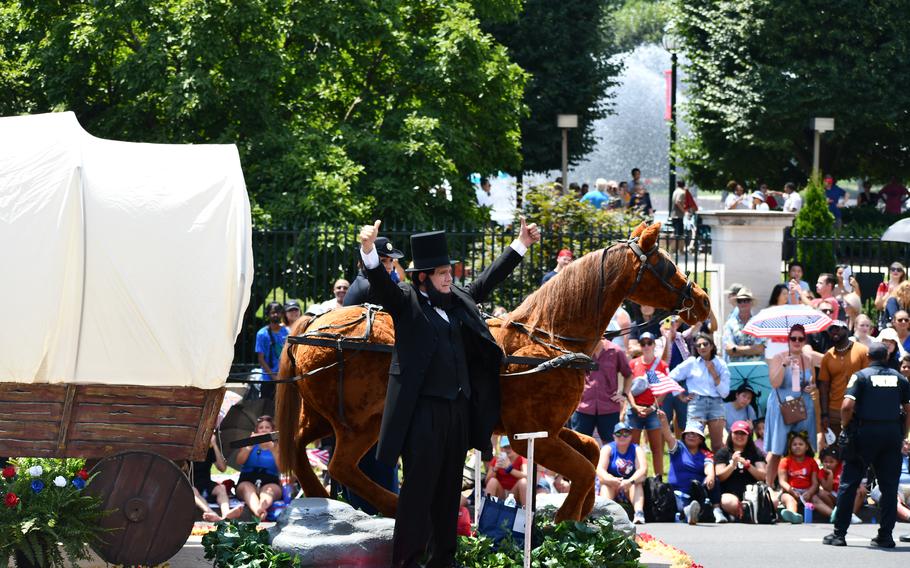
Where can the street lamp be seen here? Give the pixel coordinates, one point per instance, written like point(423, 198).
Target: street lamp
point(565, 122)
point(671, 43)
point(819, 125)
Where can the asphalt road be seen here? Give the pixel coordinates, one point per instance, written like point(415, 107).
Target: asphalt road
point(777, 546)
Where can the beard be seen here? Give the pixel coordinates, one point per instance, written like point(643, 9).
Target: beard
point(439, 299)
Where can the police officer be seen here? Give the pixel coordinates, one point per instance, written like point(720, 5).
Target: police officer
point(876, 415)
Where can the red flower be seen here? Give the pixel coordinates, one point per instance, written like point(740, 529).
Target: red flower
point(9, 472)
point(82, 474)
point(11, 500)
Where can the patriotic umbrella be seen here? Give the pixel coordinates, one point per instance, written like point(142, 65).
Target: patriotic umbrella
point(776, 321)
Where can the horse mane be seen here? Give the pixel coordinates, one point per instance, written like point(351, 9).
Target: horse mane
point(573, 292)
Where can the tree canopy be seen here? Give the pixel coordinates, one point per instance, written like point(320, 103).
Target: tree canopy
point(760, 69)
point(340, 110)
point(567, 50)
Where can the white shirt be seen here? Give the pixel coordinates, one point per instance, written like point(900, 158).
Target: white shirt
point(698, 379)
point(728, 204)
point(762, 207)
point(371, 260)
point(484, 199)
point(793, 203)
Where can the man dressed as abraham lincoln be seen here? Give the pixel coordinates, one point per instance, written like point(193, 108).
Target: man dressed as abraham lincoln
point(443, 395)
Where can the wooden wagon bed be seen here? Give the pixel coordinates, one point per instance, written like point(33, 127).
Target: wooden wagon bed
point(97, 421)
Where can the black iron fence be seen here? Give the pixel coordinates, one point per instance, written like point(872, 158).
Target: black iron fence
point(303, 263)
point(868, 257)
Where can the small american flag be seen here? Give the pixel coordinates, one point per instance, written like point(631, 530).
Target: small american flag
point(662, 384)
point(318, 458)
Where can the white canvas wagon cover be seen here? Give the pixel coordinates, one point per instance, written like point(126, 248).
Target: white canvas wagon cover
point(120, 263)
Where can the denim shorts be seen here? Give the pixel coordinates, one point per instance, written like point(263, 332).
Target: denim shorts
point(703, 408)
point(649, 422)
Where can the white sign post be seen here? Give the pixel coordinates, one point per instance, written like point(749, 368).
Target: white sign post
point(529, 498)
point(478, 462)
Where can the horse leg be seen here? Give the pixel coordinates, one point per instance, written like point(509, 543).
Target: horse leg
point(313, 426)
point(350, 447)
point(557, 455)
point(586, 446)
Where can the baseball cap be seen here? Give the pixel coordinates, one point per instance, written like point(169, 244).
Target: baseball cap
point(292, 305)
point(878, 352)
point(504, 441)
point(620, 426)
point(741, 426)
point(565, 252)
point(758, 195)
point(646, 335)
point(838, 323)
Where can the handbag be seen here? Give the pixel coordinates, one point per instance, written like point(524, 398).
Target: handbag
point(792, 411)
point(498, 519)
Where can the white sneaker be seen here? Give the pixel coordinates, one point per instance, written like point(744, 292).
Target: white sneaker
point(719, 516)
point(855, 520)
point(692, 511)
point(638, 518)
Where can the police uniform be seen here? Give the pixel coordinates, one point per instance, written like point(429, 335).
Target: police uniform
point(878, 431)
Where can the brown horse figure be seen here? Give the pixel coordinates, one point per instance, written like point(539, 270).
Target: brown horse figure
point(567, 313)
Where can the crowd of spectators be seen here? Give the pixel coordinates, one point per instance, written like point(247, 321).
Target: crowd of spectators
point(721, 438)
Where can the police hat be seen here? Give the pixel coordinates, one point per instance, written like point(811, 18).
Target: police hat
point(878, 352)
point(385, 248)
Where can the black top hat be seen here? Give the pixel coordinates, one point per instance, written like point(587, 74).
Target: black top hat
point(385, 248)
point(428, 251)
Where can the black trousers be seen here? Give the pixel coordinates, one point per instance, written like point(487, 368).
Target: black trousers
point(879, 445)
point(433, 458)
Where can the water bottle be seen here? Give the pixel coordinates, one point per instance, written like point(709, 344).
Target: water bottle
point(808, 508)
point(795, 375)
point(510, 500)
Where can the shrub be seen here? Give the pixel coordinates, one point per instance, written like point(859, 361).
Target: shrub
point(815, 220)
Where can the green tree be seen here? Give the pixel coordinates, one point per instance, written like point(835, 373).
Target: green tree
point(638, 22)
point(760, 69)
point(567, 52)
point(341, 110)
point(814, 220)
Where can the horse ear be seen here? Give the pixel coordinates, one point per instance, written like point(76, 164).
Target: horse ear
point(637, 231)
point(649, 236)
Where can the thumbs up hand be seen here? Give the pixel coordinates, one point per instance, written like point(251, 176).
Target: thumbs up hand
point(368, 234)
point(529, 234)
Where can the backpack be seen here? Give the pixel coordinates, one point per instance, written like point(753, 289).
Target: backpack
point(660, 501)
point(758, 508)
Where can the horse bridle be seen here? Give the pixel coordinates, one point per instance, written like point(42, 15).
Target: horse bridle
point(663, 271)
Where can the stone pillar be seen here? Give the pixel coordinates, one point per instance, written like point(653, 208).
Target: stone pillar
point(746, 247)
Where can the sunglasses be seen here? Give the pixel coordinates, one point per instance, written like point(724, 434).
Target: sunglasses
point(743, 301)
point(646, 342)
point(896, 269)
point(902, 320)
point(827, 311)
point(622, 434)
point(798, 338)
point(702, 344)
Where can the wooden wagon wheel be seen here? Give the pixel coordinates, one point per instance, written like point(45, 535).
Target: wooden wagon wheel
point(150, 508)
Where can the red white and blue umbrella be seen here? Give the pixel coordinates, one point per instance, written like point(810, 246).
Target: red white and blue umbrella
point(776, 321)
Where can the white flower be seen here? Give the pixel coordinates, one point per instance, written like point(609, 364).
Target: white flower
point(35, 471)
point(60, 481)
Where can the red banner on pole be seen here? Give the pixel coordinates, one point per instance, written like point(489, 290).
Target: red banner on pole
point(668, 112)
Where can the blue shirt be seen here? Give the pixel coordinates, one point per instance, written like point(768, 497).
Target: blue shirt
point(732, 414)
point(835, 194)
point(622, 465)
point(733, 333)
point(686, 467)
point(260, 459)
point(694, 371)
point(270, 343)
point(596, 198)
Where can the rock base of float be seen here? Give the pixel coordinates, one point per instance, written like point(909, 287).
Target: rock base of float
point(328, 533)
point(548, 503)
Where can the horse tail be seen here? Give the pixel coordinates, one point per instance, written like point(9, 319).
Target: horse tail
point(288, 401)
point(287, 412)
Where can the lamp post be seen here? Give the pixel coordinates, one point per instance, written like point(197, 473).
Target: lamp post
point(819, 125)
point(565, 122)
point(671, 44)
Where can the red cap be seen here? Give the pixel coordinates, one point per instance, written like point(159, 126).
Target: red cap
point(741, 426)
point(565, 252)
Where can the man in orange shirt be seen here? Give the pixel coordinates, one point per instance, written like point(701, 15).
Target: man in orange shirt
point(838, 365)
